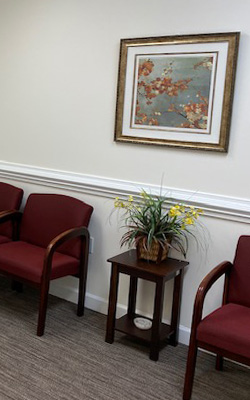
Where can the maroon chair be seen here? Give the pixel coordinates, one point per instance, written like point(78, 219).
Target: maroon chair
point(226, 331)
point(53, 242)
point(10, 199)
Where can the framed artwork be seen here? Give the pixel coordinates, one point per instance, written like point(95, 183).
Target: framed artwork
point(177, 90)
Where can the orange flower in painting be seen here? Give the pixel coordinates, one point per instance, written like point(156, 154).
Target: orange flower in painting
point(153, 121)
point(148, 88)
point(171, 107)
point(197, 108)
point(142, 118)
point(206, 63)
point(194, 113)
point(187, 125)
point(146, 68)
point(151, 95)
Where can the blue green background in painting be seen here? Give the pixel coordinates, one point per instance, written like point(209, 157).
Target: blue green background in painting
point(182, 68)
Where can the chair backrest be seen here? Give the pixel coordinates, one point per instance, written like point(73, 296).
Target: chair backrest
point(10, 199)
point(239, 284)
point(47, 215)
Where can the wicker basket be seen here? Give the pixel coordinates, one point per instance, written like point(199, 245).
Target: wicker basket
point(156, 253)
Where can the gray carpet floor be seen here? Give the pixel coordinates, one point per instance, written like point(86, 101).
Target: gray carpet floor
point(73, 362)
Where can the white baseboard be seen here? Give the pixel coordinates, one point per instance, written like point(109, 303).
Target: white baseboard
point(100, 305)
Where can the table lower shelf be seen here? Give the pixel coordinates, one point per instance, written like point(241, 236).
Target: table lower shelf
point(126, 325)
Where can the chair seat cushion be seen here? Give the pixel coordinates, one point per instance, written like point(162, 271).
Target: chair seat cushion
point(25, 260)
point(4, 239)
point(227, 328)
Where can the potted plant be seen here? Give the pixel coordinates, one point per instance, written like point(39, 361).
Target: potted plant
point(154, 225)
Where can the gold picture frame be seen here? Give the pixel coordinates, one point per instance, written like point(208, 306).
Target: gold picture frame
point(177, 90)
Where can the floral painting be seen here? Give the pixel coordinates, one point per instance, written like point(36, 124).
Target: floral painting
point(174, 91)
point(177, 90)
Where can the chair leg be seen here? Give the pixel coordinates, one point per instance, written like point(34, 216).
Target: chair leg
point(81, 294)
point(44, 294)
point(219, 363)
point(190, 369)
point(17, 286)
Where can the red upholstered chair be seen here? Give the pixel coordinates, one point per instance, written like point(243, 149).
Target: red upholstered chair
point(10, 199)
point(53, 242)
point(226, 331)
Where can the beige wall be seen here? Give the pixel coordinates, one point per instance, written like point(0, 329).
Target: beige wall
point(58, 78)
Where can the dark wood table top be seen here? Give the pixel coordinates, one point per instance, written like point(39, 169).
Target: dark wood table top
point(165, 268)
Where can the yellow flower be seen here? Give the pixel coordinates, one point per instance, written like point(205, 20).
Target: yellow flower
point(174, 211)
point(188, 221)
point(195, 211)
point(118, 203)
point(130, 198)
point(143, 194)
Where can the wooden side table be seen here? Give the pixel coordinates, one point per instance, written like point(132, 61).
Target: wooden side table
point(127, 263)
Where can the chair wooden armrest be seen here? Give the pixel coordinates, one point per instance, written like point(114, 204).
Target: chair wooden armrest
point(10, 215)
point(205, 285)
point(59, 240)
point(51, 248)
point(14, 217)
point(67, 235)
point(207, 282)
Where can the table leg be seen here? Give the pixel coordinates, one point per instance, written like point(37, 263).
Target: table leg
point(114, 280)
point(173, 341)
point(156, 325)
point(132, 296)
